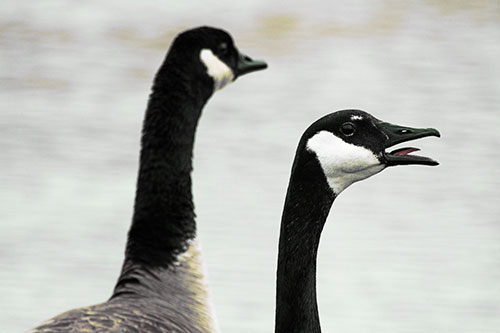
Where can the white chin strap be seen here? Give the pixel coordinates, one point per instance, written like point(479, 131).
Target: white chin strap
point(217, 69)
point(343, 163)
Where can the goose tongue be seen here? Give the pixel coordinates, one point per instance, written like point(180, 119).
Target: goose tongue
point(403, 151)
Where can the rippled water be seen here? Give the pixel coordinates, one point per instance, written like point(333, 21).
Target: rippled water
point(414, 249)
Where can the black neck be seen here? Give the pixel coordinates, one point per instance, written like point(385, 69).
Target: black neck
point(307, 205)
point(164, 219)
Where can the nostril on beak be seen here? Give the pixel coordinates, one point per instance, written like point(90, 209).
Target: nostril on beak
point(404, 131)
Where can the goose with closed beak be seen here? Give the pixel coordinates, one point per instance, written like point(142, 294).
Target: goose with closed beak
point(162, 284)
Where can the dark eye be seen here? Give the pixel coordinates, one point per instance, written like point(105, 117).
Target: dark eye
point(348, 129)
point(222, 49)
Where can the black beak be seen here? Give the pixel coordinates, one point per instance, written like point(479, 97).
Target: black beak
point(396, 134)
point(247, 65)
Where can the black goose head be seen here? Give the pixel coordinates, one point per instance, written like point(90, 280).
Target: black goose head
point(209, 54)
point(350, 145)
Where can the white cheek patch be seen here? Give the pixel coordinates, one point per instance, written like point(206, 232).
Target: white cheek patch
point(343, 163)
point(217, 69)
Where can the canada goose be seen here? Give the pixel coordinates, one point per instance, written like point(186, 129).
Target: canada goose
point(335, 151)
point(161, 287)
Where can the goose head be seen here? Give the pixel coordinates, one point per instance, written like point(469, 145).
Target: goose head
point(210, 55)
point(352, 145)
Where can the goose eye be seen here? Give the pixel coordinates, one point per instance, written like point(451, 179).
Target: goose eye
point(222, 49)
point(348, 129)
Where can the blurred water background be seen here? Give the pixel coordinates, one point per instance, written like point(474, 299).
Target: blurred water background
point(414, 249)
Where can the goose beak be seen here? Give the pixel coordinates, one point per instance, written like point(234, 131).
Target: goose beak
point(397, 134)
point(247, 65)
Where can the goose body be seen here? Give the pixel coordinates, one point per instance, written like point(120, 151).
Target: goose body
point(337, 150)
point(162, 285)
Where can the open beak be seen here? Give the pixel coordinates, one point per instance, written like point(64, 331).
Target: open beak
point(247, 65)
point(397, 134)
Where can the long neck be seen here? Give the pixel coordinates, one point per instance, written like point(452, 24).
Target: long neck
point(307, 204)
point(164, 221)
